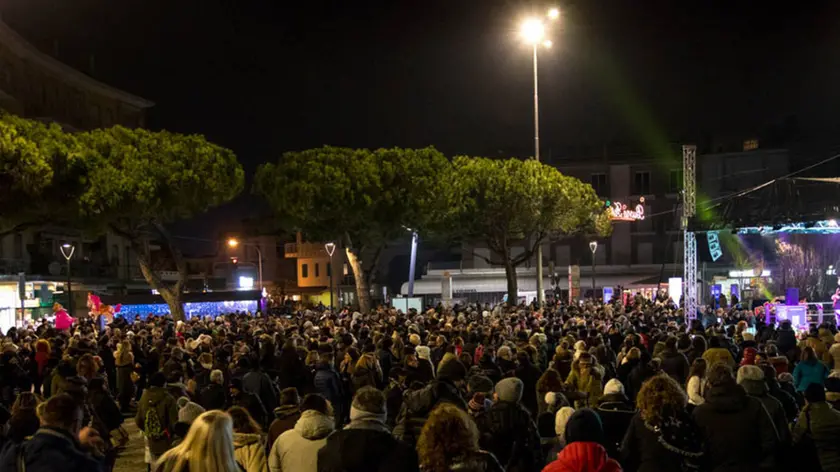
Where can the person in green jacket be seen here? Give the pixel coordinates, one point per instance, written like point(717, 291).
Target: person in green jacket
point(157, 413)
point(822, 422)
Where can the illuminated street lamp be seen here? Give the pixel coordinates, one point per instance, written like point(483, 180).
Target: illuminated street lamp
point(533, 33)
point(593, 246)
point(234, 243)
point(67, 250)
point(330, 248)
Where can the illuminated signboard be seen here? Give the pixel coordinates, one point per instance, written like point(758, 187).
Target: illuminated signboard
point(621, 212)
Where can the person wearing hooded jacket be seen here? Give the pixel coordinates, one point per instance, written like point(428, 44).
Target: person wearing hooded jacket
point(418, 404)
point(751, 378)
point(529, 374)
point(822, 422)
point(157, 398)
point(508, 431)
point(738, 431)
point(616, 413)
point(673, 362)
point(366, 444)
point(584, 450)
point(296, 450)
point(248, 444)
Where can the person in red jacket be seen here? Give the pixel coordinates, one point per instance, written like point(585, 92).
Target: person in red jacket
point(584, 451)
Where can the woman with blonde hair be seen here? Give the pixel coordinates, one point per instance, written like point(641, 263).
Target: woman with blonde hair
point(449, 441)
point(367, 372)
point(248, 446)
point(208, 447)
point(124, 362)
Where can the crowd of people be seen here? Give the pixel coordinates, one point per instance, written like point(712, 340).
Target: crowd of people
point(578, 388)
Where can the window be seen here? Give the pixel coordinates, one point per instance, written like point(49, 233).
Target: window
point(304, 270)
point(317, 270)
point(18, 246)
point(675, 181)
point(641, 184)
point(599, 183)
point(750, 144)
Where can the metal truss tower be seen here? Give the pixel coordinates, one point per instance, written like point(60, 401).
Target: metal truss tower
point(689, 241)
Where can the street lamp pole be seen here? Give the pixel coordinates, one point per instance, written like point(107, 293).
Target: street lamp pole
point(233, 242)
point(593, 246)
point(412, 264)
point(67, 250)
point(330, 248)
point(533, 31)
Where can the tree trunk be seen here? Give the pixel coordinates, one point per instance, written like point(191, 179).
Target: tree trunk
point(512, 287)
point(171, 295)
point(362, 287)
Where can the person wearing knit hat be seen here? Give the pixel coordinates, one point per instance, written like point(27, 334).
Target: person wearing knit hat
point(479, 383)
point(509, 390)
point(751, 379)
point(366, 443)
point(508, 430)
point(832, 390)
point(452, 370)
point(613, 387)
point(188, 411)
point(559, 427)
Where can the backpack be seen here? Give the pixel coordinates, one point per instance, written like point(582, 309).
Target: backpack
point(151, 425)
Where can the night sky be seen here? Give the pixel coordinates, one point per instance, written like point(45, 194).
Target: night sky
point(263, 77)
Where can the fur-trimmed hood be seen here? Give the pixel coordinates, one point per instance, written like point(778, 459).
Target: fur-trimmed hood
point(314, 425)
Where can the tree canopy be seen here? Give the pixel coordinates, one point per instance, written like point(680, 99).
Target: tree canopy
point(40, 170)
point(514, 203)
point(132, 182)
point(363, 198)
point(140, 180)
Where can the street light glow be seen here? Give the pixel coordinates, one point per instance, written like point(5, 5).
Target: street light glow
point(232, 242)
point(553, 13)
point(66, 246)
point(593, 246)
point(547, 43)
point(533, 30)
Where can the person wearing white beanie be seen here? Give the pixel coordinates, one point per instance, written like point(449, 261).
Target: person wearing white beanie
point(560, 419)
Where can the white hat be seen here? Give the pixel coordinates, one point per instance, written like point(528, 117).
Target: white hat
point(613, 386)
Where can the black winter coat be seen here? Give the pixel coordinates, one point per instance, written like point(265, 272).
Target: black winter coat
point(641, 450)
point(252, 403)
point(508, 432)
point(616, 413)
point(529, 375)
point(418, 404)
point(49, 450)
point(738, 431)
point(213, 397)
point(328, 384)
point(675, 364)
point(364, 447)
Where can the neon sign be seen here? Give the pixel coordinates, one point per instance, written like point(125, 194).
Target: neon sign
point(621, 212)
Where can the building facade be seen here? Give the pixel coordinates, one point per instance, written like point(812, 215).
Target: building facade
point(36, 86)
point(642, 253)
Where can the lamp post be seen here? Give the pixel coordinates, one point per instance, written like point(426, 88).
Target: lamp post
point(233, 243)
point(533, 33)
point(413, 262)
point(67, 250)
point(593, 246)
point(330, 248)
